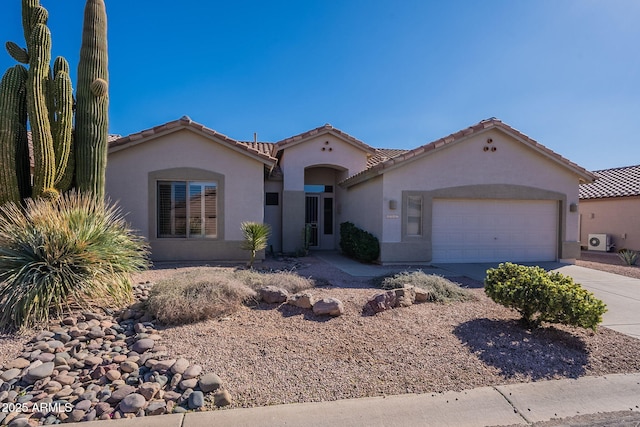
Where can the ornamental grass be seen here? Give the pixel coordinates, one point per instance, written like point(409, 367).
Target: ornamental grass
point(55, 256)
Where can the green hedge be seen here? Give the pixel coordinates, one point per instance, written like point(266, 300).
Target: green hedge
point(358, 244)
point(540, 296)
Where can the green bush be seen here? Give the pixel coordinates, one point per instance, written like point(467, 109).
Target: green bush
point(358, 244)
point(439, 288)
point(628, 256)
point(56, 255)
point(543, 297)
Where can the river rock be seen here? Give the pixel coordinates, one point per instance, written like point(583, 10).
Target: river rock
point(209, 382)
point(132, 403)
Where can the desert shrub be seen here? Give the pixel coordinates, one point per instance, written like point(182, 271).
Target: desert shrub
point(539, 296)
point(358, 244)
point(628, 256)
point(197, 295)
point(440, 289)
point(56, 255)
point(290, 281)
point(200, 294)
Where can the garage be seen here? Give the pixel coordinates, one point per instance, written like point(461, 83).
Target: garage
point(494, 230)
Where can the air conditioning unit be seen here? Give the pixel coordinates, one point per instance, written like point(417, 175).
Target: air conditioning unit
point(599, 242)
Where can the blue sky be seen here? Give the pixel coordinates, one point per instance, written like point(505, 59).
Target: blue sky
point(392, 73)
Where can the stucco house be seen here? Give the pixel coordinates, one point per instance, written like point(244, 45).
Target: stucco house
point(611, 206)
point(485, 193)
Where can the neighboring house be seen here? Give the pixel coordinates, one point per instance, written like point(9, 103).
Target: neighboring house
point(486, 193)
point(611, 205)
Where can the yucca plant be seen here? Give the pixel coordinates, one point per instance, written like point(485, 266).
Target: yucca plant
point(75, 251)
point(628, 256)
point(255, 236)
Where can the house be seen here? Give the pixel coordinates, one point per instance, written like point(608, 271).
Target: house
point(485, 193)
point(611, 205)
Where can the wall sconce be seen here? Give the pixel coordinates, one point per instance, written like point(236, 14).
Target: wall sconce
point(393, 205)
point(573, 207)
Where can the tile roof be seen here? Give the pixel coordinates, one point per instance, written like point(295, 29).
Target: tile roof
point(492, 122)
point(616, 182)
point(322, 130)
point(267, 148)
point(383, 154)
point(110, 139)
point(183, 123)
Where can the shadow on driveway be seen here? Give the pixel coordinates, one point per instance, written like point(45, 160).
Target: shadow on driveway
point(538, 354)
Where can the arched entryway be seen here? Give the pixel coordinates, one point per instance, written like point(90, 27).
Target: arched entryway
point(321, 202)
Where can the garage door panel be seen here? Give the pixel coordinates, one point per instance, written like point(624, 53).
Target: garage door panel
point(494, 230)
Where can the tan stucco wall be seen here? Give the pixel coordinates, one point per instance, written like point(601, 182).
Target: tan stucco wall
point(463, 165)
point(310, 153)
point(619, 217)
point(129, 172)
point(314, 158)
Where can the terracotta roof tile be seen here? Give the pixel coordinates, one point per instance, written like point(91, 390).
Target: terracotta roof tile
point(616, 182)
point(324, 129)
point(186, 122)
point(383, 154)
point(492, 122)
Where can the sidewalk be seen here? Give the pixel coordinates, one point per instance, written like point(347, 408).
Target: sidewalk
point(517, 404)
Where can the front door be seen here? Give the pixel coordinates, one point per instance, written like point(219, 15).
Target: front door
point(319, 221)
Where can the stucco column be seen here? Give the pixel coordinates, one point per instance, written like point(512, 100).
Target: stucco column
point(292, 220)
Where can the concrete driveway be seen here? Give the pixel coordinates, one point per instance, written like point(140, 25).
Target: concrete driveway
point(620, 293)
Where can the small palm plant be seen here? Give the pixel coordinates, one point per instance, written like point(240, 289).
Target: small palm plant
point(255, 238)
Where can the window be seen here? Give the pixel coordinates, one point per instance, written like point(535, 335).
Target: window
point(414, 216)
point(187, 209)
point(271, 199)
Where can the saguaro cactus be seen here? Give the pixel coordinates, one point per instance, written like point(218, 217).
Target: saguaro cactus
point(49, 110)
point(39, 48)
point(12, 131)
point(92, 113)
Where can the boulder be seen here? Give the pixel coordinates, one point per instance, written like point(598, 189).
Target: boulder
point(422, 295)
point(302, 300)
point(330, 306)
point(405, 297)
point(273, 295)
point(382, 301)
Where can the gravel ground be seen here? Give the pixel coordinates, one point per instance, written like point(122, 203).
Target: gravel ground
point(272, 354)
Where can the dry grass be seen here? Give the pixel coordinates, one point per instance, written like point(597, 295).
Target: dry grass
point(200, 294)
point(440, 288)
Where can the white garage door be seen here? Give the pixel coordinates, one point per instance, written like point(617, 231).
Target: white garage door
point(494, 230)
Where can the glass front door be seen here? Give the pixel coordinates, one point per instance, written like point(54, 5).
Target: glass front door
point(319, 221)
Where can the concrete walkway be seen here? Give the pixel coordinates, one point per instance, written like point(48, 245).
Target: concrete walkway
point(517, 404)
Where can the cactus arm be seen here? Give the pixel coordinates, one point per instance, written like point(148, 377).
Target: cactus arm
point(43, 152)
point(92, 125)
point(12, 90)
point(17, 53)
point(27, 12)
point(63, 104)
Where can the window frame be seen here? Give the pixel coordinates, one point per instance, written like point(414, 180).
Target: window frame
point(188, 185)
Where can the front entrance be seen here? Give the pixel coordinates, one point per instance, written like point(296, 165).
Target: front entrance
point(319, 218)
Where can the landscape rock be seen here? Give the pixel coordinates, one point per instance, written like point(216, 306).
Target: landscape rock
point(143, 345)
point(382, 301)
point(422, 295)
point(330, 306)
point(132, 403)
point(302, 300)
point(209, 382)
point(273, 295)
point(405, 296)
point(196, 400)
point(222, 398)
